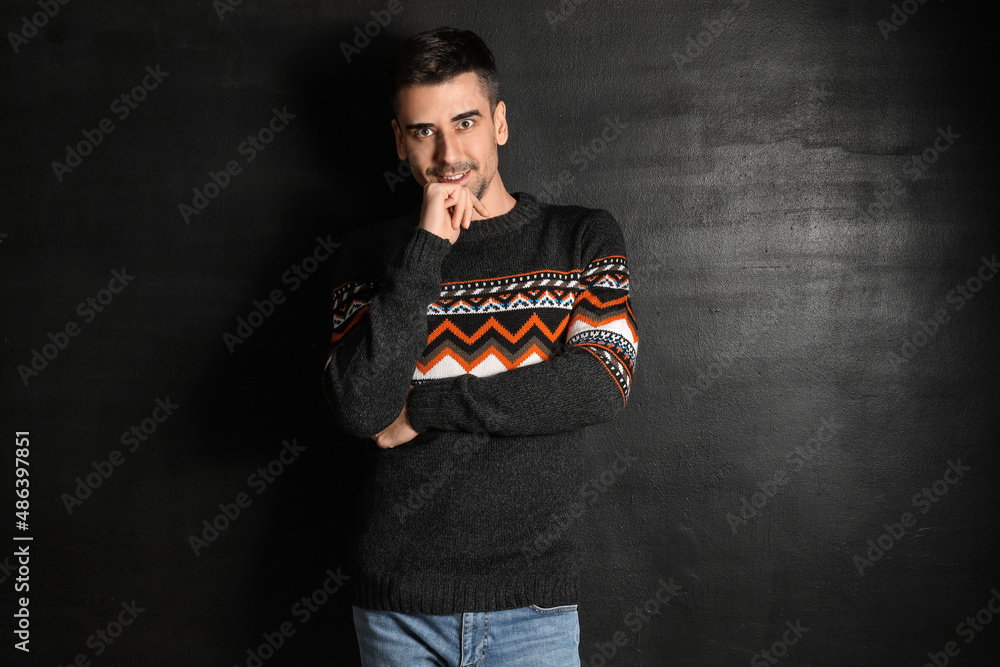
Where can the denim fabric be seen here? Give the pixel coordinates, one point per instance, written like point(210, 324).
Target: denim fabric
point(529, 636)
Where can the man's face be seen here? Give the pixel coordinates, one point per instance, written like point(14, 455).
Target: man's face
point(446, 129)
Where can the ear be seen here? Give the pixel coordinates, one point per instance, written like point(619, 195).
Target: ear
point(400, 148)
point(500, 123)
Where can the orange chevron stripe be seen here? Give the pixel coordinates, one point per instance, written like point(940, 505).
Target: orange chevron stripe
point(608, 371)
point(635, 333)
point(599, 323)
point(492, 324)
point(492, 349)
point(587, 295)
point(628, 370)
point(608, 257)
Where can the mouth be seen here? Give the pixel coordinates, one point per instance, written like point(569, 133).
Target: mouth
point(456, 178)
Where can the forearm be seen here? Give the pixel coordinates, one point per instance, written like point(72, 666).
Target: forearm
point(569, 391)
point(374, 351)
point(587, 383)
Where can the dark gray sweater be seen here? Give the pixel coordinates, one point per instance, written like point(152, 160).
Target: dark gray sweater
point(515, 337)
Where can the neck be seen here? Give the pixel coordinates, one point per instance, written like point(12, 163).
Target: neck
point(496, 199)
point(525, 211)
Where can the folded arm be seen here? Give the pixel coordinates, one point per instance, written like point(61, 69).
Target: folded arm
point(379, 330)
point(587, 383)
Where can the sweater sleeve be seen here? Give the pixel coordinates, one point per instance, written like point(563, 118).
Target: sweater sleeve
point(587, 383)
point(379, 330)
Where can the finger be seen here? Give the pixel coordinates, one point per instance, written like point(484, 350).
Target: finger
point(481, 207)
point(470, 208)
point(464, 211)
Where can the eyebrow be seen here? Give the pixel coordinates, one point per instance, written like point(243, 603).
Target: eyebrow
point(462, 116)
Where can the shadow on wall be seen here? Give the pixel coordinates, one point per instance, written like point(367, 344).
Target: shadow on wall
point(268, 389)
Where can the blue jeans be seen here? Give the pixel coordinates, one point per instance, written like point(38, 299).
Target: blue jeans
point(529, 636)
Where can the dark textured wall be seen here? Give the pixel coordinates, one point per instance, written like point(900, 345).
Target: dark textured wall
point(808, 198)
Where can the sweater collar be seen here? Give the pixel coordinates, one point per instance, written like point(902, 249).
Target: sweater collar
point(526, 210)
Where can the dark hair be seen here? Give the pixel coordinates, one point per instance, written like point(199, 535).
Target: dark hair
point(435, 56)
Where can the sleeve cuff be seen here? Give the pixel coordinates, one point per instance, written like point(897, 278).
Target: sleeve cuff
point(423, 248)
point(417, 267)
point(426, 408)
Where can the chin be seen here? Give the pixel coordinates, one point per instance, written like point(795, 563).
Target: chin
point(481, 187)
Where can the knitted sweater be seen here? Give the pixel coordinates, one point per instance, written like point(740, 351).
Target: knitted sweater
point(515, 337)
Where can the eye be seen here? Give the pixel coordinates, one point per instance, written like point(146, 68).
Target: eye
point(466, 120)
point(417, 134)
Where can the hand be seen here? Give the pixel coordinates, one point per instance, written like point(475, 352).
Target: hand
point(448, 207)
point(398, 432)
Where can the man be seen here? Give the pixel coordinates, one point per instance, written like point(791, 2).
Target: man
point(471, 342)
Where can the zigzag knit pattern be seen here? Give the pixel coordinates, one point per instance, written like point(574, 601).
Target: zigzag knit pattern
point(350, 306)
point(460, 518)
point(493, 325)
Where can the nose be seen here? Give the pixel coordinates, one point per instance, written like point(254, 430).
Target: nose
point(449, 149)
